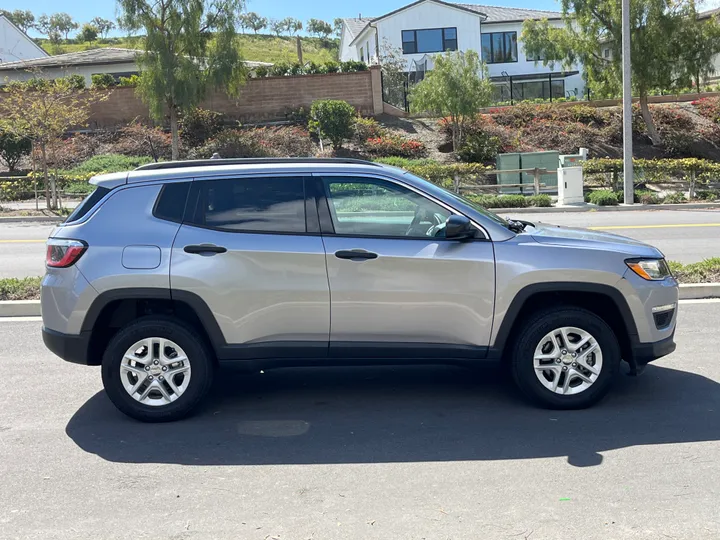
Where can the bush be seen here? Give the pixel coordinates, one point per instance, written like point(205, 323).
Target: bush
point(13, 149)
point(395, 145)
point(140, 140)
point(501, 201)
point(542, 201)
point(366, 128)
point(709, 196)
point(19, 289)
point(709, 108)
point(352, 66)
point(76, 81)
point(332, 119)
point(603, 197)
point(258, 142)
point(299, 116)
point(646, 196)
point(102, 81)
point(479, 147)
point(108, 163)
point(132, 80)
point(405, 163)
point(675, 198)
point(199, 125)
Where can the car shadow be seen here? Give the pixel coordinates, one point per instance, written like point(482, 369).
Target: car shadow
point(380, 415)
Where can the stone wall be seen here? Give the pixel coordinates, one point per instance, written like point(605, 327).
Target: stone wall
point(268, 98)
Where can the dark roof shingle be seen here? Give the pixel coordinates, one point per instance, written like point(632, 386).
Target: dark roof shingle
point(509, 14)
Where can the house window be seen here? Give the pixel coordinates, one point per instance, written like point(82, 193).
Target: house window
point(499, 47)
point(431, 40)
point(367, 48)
point(362, 54)
point(606, 53)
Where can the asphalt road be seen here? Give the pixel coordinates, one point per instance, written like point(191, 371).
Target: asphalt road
point(364, 453)
point(683, 235)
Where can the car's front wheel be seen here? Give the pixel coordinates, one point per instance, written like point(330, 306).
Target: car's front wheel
point(565, 358)
point(156, 370)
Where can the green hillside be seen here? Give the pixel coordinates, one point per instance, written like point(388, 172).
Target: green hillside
point(260, 48)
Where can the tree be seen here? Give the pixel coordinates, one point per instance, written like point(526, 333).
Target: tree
point(277, 27)
point(23, 19)
point(62, 23)
point(332, 119)
point(104, 26)
point(291, 26)
point(457, 87)
point(43, 111)
point(190, 47)
point(13, 149)
point(319, 28)
point(656, 34)
point(394, 66)
point(253, 21)
point(698, 43)
point(44, 27)
point(338, 26)
point(88, 33)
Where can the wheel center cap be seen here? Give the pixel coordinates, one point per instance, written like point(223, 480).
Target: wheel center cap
point(567, 359)
point(155, 370)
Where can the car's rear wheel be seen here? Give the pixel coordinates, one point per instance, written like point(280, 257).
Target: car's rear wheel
point(157, 370)
point(565, 358)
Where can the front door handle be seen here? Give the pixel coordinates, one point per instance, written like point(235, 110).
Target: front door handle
point(204, 248)
point(355, 254)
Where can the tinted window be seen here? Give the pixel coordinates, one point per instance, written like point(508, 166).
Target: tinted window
point(367, 207)
point(87, 203)
point(499, 47)
point(429, 41)
point(171, 201)
point(252, 204)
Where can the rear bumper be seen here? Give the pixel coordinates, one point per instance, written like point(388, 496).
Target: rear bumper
point(647, 352)
point(72, 348)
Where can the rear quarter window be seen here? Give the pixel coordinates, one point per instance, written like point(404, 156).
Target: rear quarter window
point(87, 204)
point(170, 204)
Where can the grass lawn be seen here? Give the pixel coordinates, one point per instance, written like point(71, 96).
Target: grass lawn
point(259, 48)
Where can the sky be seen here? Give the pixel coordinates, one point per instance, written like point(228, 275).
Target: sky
point(83, 10)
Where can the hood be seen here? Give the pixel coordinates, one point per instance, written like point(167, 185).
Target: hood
point(556, 235)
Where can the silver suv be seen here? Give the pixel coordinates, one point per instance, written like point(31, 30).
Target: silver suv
point(170, 271)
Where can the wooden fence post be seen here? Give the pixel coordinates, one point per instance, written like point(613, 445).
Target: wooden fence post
point(536, 181)
point(691, 191)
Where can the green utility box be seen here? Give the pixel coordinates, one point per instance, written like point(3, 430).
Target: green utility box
point(527, 160)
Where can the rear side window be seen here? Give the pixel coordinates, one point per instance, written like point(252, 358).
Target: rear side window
point(87, 204)
point(170, 204)
point(274, 205)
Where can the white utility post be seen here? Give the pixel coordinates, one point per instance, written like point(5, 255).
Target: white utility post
point(627, 106)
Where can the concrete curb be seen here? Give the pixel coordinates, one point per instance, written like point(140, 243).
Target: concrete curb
point(619, 208)
point(32, 219)
point(31, 308)
point(20, 308)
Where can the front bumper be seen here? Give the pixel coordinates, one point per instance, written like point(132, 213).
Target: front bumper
point(72, 348)
point(647, 352)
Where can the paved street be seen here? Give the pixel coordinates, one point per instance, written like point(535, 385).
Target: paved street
point(683, 235)
point(362, 453)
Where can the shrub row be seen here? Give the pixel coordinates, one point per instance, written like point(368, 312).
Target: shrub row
point(283, 69)
point(511, 201)
point(657, 170)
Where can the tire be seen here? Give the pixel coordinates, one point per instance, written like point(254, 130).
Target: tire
point(533, 337)
point(175, 336)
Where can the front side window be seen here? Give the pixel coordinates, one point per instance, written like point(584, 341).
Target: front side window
point(370, 207)
point(499, 47)
point(274, 205)
point(431, 40)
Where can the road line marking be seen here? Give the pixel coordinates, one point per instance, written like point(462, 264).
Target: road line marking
point(34, 241)
point(668, 226)
point(20, 319)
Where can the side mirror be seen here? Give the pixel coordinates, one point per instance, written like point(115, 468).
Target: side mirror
point(458, 228)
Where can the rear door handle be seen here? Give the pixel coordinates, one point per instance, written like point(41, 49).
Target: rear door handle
point(204, 248)
point(355, 254)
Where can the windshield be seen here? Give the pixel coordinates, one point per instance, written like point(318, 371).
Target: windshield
point(464, 200)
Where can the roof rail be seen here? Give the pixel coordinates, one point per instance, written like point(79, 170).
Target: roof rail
point(215, 162)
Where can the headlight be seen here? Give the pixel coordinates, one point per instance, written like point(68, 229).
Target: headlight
point(650, 269)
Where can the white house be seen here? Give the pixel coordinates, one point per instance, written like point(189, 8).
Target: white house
point(15, 44)
point(428, 27)
point(715, 76)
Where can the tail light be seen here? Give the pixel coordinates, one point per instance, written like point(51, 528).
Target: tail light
point(62, 253)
